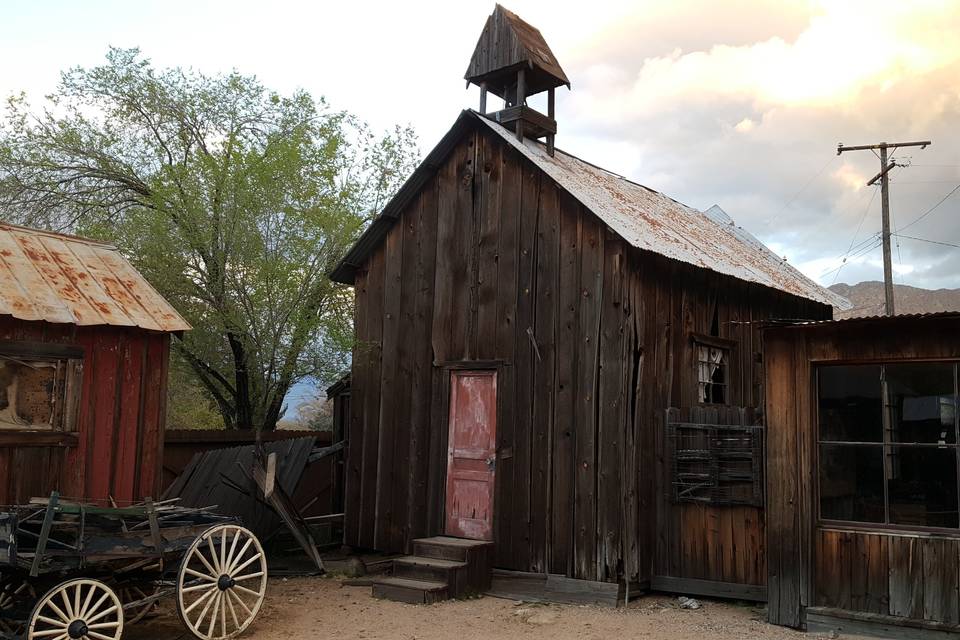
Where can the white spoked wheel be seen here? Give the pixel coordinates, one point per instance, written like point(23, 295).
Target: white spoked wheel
point(77, 609)
point(14, 594)
point(222, 582)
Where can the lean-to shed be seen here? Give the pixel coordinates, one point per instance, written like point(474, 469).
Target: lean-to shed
point(84, 345)
point(863, 457)
point(524, 321)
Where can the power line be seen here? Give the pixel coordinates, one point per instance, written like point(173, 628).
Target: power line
point(855, 234)
point(874, 242)
point(932, 209)
point(946, 244)
point(802, 189)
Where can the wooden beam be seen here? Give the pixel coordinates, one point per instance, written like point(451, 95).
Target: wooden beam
point(551, 107)
point(521, 95)
point(710, 588)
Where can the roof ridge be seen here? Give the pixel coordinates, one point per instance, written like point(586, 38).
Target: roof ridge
point(57, 234)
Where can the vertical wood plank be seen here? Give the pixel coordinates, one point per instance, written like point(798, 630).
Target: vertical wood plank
point(564, 425)
point(544, 369)
point(585, 508)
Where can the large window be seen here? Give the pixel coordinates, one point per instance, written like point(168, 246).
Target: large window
point(38, 391)
point(888, 444)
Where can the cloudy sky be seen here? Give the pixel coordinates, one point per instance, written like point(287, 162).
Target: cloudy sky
point(739, 103)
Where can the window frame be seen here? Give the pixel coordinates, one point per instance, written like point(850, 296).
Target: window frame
point(853, 525)
point(66, 422)
point(715, 342)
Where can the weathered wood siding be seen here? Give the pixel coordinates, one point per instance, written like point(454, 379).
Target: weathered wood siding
point(117, 448)
point(861, 569)
point(493, 264)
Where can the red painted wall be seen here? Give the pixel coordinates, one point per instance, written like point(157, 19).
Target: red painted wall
point(117, 448)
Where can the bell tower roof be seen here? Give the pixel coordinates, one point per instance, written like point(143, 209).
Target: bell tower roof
point(506, 44)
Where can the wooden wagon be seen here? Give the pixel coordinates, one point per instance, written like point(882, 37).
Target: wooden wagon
point(75, 570)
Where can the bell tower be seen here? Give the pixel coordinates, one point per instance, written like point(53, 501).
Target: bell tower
point(513, 61)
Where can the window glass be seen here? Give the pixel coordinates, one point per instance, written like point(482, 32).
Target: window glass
point(850, 404)
point(851, 482)
point(922, 403)
point(922, 485)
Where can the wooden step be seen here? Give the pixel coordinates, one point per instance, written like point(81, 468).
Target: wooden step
point(454, 574)
point(445, 548)
point(477, 554)
point(410, 591)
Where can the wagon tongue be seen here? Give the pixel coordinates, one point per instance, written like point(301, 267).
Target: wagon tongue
point(77, 629)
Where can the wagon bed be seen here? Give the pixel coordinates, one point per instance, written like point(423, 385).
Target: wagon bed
point(60, 558)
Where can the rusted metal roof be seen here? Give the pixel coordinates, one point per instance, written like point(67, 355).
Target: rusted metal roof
point(643, 217)
point(654, 222)
point(65, 279)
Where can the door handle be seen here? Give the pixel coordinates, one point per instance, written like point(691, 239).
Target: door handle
point(491, 462)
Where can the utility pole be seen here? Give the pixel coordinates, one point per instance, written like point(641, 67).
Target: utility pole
point(884, 178)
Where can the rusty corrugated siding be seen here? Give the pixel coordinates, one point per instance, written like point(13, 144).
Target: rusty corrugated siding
point(65, 279)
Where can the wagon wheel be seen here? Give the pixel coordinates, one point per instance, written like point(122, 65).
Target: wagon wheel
point(15, 593)
point(134, 593)
point(222, 582)
point(77, 609)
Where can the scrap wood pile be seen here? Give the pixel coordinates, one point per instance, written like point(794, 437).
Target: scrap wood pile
point(256, 484)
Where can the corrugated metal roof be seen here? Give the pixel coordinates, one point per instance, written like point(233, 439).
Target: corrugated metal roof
point(905, 317)
point(645, 218)
point(65, 279)
point(654, 222)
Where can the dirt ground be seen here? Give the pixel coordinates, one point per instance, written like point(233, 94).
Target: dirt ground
point(308, 608)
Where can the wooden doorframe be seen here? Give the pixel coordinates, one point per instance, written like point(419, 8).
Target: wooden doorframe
point(447, 368)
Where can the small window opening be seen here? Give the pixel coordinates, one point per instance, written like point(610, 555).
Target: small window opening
point(38, 393)
point(712, 374)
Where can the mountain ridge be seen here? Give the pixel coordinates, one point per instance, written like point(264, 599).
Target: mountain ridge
point(867, 299)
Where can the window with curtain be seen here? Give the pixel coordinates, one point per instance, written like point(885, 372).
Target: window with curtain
point(712, 373)
point(888, 451)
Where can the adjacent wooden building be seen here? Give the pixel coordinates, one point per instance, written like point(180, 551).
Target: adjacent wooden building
point(863, 529)
point(524, 321)
point(84, 345)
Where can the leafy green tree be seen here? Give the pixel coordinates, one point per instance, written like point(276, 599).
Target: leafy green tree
point(234, 201)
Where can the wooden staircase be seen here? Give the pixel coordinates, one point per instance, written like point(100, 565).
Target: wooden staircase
point(439, 569)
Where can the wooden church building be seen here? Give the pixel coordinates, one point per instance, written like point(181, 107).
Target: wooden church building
point(558, 360)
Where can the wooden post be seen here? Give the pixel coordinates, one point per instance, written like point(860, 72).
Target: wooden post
point(521, 94)
point(887, 257)
point(885, 201)
point(483, 98)
point(550, 113)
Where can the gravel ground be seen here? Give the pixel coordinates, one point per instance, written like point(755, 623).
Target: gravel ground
point(308, 608)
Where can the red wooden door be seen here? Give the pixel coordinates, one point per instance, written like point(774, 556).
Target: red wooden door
point(471, 454)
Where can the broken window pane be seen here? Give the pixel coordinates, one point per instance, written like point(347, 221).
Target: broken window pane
point(712, 363)
point(922, 485)
point(922, 403)
point(38, 393)
point(850, 404)
point(851, 482)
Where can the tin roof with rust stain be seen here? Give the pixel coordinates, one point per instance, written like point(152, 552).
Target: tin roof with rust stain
point(60, 278)
point(643, 217)
point(652, 221)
